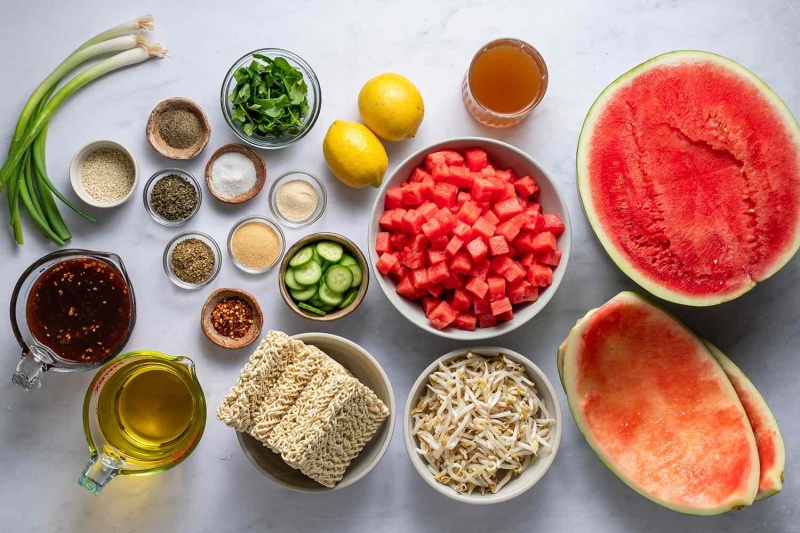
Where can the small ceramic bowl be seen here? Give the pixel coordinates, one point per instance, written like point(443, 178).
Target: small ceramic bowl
point(148, 193)
point(307, 177)
point(227, 342)
point(77, 164)
point(258, 163)
point(518, 484)
point(168, 259)
point(264, 220)
point(154, 124)
point(270, 142)
point(366, 369)
point(501, 155)
point(350, 248)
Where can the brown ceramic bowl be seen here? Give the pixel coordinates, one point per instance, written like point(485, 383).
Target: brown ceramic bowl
point(261, 173)
point(226, 342)
point(351, 249)
point(154, 123)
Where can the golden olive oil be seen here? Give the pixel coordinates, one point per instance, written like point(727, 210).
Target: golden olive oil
point(146, 408)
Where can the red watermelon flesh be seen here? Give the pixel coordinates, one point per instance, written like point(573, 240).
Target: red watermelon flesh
point(658, 409)
point(689, 172)
point(771, 449)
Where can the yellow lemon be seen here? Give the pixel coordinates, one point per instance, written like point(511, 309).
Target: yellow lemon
point(354, 154)
point(391, 106)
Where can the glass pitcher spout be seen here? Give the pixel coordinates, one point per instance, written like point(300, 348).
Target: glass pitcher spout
point(97, 474)
point(30, 369)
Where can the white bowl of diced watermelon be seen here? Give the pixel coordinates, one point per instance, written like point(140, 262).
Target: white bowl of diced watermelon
point(469, 238)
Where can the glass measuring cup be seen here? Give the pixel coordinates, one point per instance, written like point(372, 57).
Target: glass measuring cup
point(36, 356)
point(144, 413)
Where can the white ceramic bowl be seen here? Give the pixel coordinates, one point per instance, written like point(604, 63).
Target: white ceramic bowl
point(501, 155)
point(518, 484)
point(77, 163)
point(366, 369)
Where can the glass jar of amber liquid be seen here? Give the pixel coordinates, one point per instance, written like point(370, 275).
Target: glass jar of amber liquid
point(505, 81)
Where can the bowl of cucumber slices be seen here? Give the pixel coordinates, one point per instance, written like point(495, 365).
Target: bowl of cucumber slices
point(323, 277)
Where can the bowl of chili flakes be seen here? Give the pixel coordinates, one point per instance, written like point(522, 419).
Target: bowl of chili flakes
point(231, 318)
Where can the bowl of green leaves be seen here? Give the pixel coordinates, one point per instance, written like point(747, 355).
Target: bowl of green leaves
point(270, 98)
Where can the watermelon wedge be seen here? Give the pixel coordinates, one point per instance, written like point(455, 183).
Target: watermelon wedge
point(658, 410)
point(689, 173)
point(771, 449)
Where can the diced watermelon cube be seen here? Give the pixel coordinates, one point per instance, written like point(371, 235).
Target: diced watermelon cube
point(440, 242)
point(507, 193)
point(448, 157)
point(469, 213)
point(498, 245)
point(504, 317)
point(499, 188)
point(382, 242)
point(406, 289)
point(418, 175)
point(487, 171)
point(477, 249)
point(481, 306)
point(428, 209)
point(429, 304)
point(462, 197)
point(522, 291)
point(503, 175)
point(464, 231)
point(551, 258)
point(412, 259)
point(446, 219)
point(508, 208)
point(524, 242)
point(419, 277)
point(435, 290)
point(399, 240)
point(501, 264)
point(528, 259)
point(501, 306)
point(476, 159)
point(490, 217)
point(412, 194)
point(454, 246)
point(438, 272)
point(419, 243)
point(440, 172)
point(480, 269)
point(453, 282)
point(482, 190)
point(399, 272)
point(543, 243)
point(515, 273)
point(466, 321)
point(394, 198)
point(485, 207)
point(460, 264)
point(534, 206)
point(508, 230)
point(540, 275)
point(461, 177)
point(442, 316)
point(436, 256)
point(397, 219)
point(432, 229)
point(477, 287)
point(487, 320)
point(444, 195)
point(462, 301)
point(385, 263)
point(526, 186)
point(413, 221)
point(427, 187)
point(483, 228)
point(497, 287)
point(553, 224)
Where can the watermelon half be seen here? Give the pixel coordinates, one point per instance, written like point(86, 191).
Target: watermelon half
point(658, 409)
point(771, 449)
point(689, 173)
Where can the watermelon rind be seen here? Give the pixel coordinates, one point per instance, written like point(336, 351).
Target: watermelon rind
point(744, 497)
point(582, 159)
point(771, 482)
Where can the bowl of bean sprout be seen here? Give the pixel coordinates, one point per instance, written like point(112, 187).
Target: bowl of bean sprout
point(482, 425)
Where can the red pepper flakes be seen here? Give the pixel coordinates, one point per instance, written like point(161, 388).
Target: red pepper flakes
point(232, 317)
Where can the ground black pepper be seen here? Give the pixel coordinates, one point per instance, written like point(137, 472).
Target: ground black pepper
point(192, 260)
point(173, 198)
point(180, 128)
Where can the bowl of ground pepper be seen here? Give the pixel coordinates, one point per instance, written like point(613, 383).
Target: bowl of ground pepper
point(255, 244)
point(178, 128)
point(192, 260)
point(172, 196)
point(231, 318)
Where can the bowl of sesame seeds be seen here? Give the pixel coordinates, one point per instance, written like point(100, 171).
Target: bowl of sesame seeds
point(104, 173)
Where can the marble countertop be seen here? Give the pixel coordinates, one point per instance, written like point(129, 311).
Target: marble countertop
point(586, 45)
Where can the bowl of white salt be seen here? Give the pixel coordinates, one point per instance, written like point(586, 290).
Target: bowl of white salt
point(297, 198)
point(235, 174)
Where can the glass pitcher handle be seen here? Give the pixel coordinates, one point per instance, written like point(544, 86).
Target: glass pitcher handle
point(28, 372)
point(96, 475)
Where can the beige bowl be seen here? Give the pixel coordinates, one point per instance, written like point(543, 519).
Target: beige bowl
point(518, 484)
point(76, 165)
point(261, 173)
point(367, 370)
point(154, 123)
point(226, 342)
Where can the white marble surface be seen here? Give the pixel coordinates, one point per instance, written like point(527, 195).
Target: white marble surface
point(586, 45)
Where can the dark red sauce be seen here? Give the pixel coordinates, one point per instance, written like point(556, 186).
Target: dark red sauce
point(80, 309)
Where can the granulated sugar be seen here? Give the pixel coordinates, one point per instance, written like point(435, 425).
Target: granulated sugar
point(233, 174)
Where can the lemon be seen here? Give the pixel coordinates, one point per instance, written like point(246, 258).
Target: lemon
point(354, 154)
point(391, 106)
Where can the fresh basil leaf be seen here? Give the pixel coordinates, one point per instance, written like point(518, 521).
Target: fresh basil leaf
point(248, 128)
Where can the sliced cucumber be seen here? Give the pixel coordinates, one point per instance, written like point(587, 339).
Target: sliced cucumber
point(303, 295)
point(339, 278)
point(328, 297)
point(302, 257)
point(357, 275)
point(325, 265)
point(349, 298)
point(311, 309)
point(318, 258)
point(316, 302)
point(308, 274)
point(288, 279)
point(330, 251)
point(348, 260)
point(328, 308)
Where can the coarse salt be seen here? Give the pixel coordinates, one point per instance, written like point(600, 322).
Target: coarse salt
point(233, 174)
